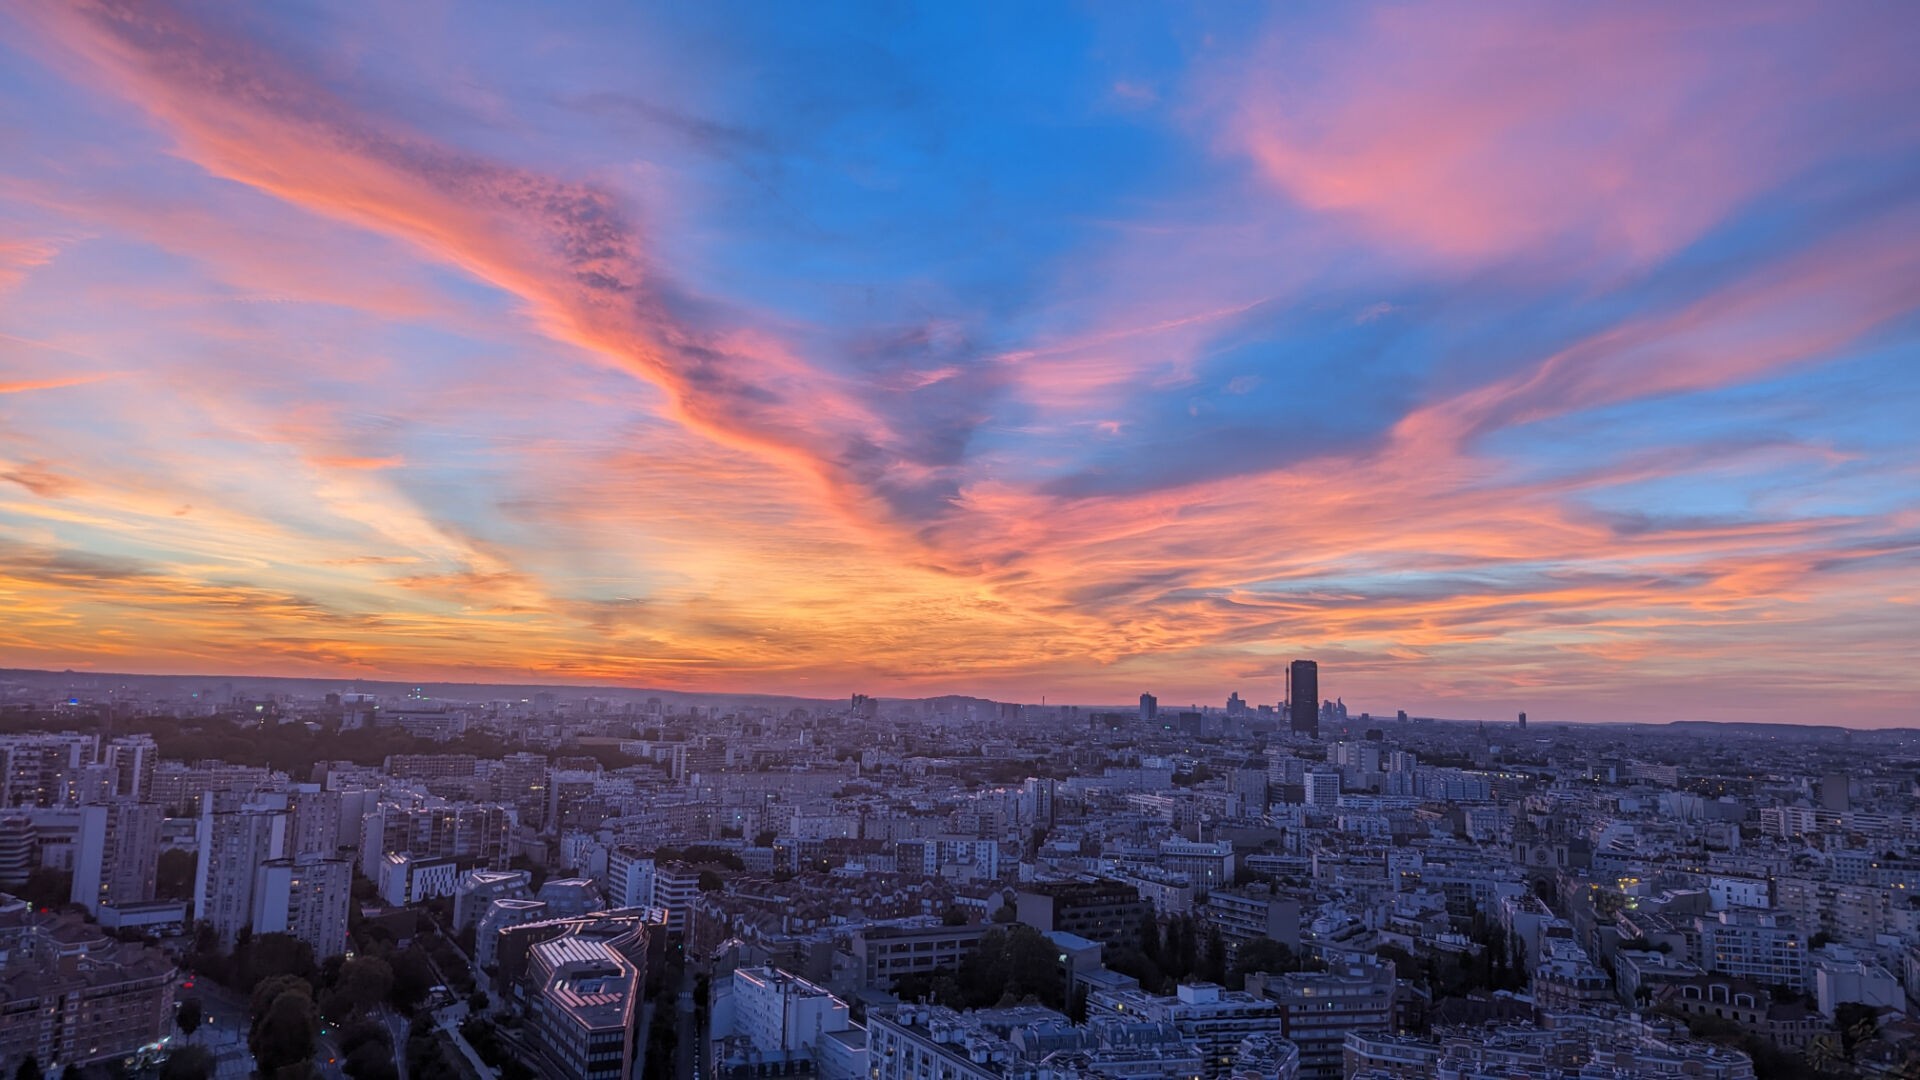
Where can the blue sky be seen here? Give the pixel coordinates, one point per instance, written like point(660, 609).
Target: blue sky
point(1514, 357)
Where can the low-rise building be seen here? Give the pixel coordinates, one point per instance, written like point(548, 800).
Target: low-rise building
point(1319, 1008)
point(884, 953)
point(70, 996)
point(1216, 1018)
point(1105, 911)
point(478, 889)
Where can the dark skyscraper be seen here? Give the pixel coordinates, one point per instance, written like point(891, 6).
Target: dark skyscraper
point(1149, 707)
point(1303, 697)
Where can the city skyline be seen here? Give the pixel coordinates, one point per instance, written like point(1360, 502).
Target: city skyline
point(1499, 359)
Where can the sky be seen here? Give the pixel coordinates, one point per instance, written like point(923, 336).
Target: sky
point(1557, 357)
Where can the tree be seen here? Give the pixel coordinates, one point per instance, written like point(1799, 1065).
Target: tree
point(189, 1063)
point(1010, 965)
point(269, 990)
point(1265, 956)
point(1857, 1023)
point(363, 983)
point(1138, 966)
point(1212, 965)
point(452, 963)
point(426, 1057)
point(188, 1017)
point(370, 1061)
point(1150, 938)
point(662, 1041)
point(412, 978)
point(711, 881)
point(1404, 965)
point(265, 956)
point(48, 889)
point(287, 1033)
point(29, 1069)
point(363, 1031)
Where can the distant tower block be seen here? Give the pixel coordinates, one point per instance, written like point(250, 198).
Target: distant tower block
point(1303, 698)
point(1523, 721)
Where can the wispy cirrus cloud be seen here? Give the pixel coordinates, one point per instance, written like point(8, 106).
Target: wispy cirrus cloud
point(566, 249)
point(1492, 358)
point(1616, 133)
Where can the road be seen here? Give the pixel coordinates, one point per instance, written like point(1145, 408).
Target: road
point(328, 1061)
point(223, 1026)
point(688, 1049)
point(397, 1027)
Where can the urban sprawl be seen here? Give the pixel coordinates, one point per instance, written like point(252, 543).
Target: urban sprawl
point(224, 878)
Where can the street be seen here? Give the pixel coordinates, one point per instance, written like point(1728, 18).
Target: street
point(223, 1027)
point(689, 1053)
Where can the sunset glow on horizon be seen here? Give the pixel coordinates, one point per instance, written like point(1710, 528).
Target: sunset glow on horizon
point(1562, 358)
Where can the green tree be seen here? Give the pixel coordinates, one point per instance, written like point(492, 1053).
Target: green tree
point(1265, 956)
point(1212, 966)
point(363, 983)
point(267, 956)
point(662, 1041)
point(29, 1069)
point(1857, 1023)
point(47, 889)
point(412, 978)
point(287, 1033)
point(1138, 966)
point(268, 990)
point(370, 1061)
point(1010, 965)
point(426, 1056)
point(1150, 943)
point(362, 1031)
point(187, 1017)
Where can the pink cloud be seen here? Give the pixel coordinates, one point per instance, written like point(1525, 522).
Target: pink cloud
point(1616, 132)
point(18, 258)
point(565, 249)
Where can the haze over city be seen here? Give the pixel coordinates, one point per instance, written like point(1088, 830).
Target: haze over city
point(1500, 357)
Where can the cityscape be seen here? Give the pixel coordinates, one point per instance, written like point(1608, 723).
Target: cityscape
point(981, 541)
point(235, 877)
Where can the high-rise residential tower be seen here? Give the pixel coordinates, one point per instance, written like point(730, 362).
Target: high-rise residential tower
point(307, 897)
point(1303, 698)
point(233, 845)
point(117, 857)
point(132, 759)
